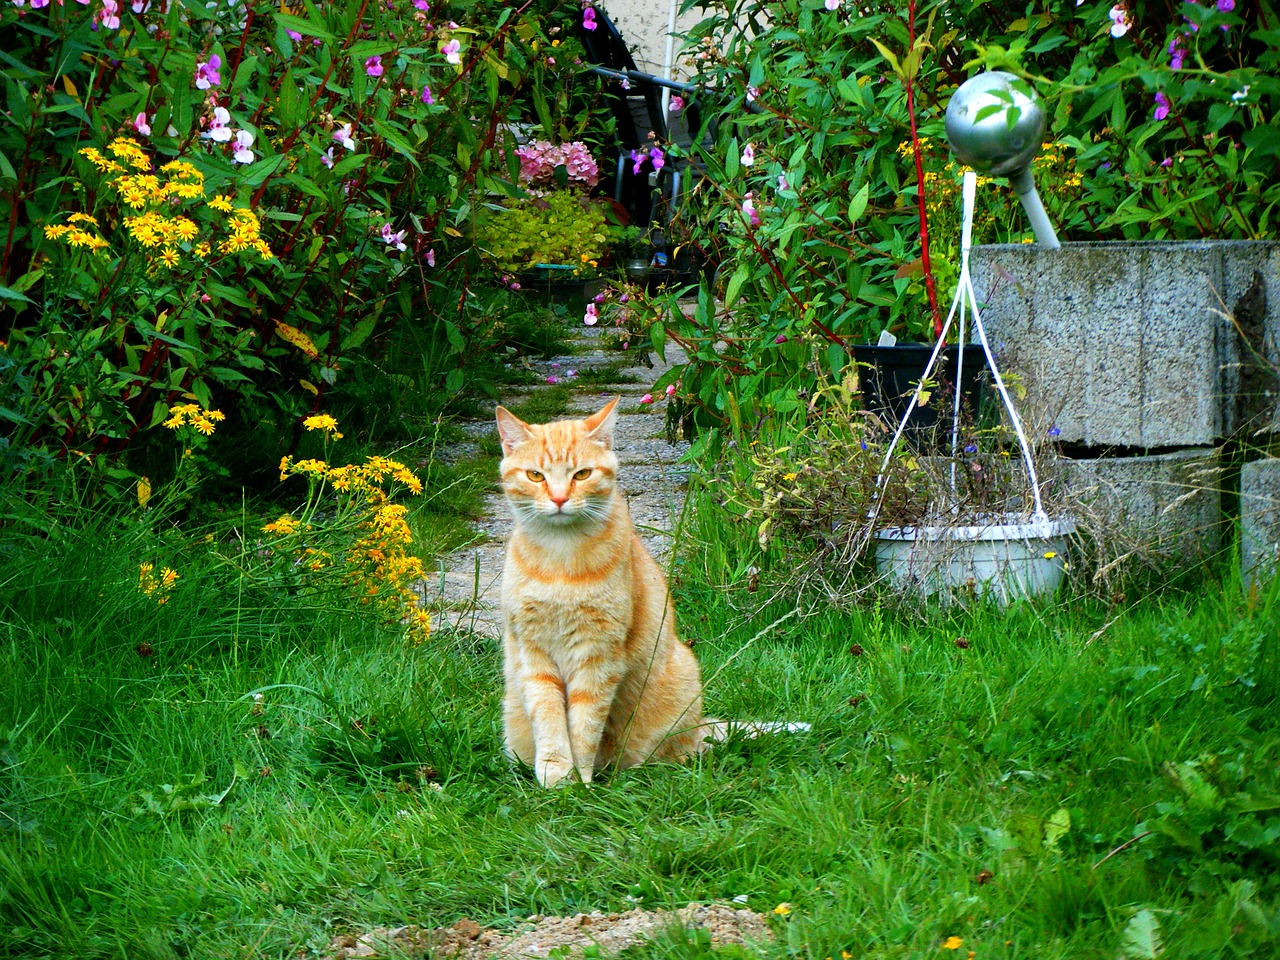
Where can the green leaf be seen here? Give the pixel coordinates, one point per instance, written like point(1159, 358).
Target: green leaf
point(1056, 827)
point(8, 293)
point(359, 333)
point(888, 55)
point(858, 204)
point(1141, 938)
point(303, 26)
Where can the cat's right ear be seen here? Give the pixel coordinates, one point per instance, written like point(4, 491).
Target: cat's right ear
point(511, 430)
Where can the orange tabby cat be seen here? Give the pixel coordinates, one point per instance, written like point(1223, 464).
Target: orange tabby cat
point(594, 671)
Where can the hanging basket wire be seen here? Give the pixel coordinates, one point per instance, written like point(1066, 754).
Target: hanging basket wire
point(1037, 526)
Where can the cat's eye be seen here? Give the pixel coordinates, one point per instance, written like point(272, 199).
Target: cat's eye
point(534, 475)
point(582, 474)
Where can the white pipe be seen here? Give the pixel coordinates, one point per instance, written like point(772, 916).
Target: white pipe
point(669, 60)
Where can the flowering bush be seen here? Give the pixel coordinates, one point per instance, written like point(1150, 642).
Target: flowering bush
point(540, 159)
point(560, 228)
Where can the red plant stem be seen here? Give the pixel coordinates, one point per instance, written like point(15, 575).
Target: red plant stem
point(929, 285)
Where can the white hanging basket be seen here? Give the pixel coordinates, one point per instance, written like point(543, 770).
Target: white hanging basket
point(1005, 559)
point(1002, 556)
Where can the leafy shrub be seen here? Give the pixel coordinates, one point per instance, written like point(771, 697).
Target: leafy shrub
point(358, 139)
point(827, 170)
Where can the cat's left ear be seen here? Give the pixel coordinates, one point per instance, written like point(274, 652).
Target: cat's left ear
point(511, 430)
point(600, 425)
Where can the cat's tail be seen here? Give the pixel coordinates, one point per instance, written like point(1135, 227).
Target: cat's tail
point(718, 731)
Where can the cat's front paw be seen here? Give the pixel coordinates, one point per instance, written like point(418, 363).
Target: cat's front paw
point(553, 773)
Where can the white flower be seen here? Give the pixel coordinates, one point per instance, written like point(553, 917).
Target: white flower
point(832, 4)
point(218, 130)
point(244, 140)
point(451, 51)
point(393, 239)
point(1120, 22)
point(748, 155)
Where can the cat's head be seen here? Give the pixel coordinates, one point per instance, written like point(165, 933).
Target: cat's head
point(559, 475)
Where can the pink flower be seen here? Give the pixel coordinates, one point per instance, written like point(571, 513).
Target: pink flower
point(327, 158)
point(431, 257)
point(753, 94)
point(647, 398)
point(832, 4)
point(589, 18)
point(451, 51)
point(553, 379)
point(638, 158)
point(748, 155)
point(427, 98)
point(373, 66)
point(782, 182)
point(675, 104)
point(659, 159)
point(393, 239)
point(138, 6)
point(1177, 52)
point(422, 5)
point(140, 121)
point(111, 14)
point(780, 338)
point(591, 316)
point(207, 74)
point(294, 35)
point(343, 136)
point(671, 389)
point(1224, 6)
point(749, 209)
point(1162, 106)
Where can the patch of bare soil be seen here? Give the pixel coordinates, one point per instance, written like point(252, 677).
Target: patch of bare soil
point(611, 932)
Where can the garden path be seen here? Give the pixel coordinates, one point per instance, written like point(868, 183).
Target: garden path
point(463, 592)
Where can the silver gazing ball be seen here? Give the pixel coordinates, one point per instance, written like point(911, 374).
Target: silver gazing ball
point(989, 145)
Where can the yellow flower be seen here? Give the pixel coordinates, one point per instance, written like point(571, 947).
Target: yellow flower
point(169, 577)
point(284, 526)
point(1050, 554)
point(789, 477)
point(220, 203)
point(322, 421)
point(82, 218)
point(54, 231)
point(782, 909)
point(169, 257)
point(202, 249)
point(952, 943)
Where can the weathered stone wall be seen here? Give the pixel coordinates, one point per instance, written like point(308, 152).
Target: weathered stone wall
point(643, 25)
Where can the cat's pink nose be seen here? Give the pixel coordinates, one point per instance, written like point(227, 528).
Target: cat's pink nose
point(559, 501)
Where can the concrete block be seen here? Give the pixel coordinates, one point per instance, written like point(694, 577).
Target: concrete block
point(1128, 344)
point(1170, 503)
point(1259, 520)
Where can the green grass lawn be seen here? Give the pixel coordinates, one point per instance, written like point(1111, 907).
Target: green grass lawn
point(979, 776)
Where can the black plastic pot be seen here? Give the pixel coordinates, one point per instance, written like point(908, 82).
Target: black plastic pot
point(888, 377)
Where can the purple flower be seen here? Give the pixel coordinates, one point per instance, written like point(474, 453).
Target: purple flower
point(327, 158)
point(207, 72)
point(780, 338)
point(1226, 6)
point(971, 448)
point(638, 157)
point(293, 35)
point(1162, 106)
point(553, 379)
point(430, 256)
point(1167, 162)
point(748, 155)
point(392, 238)
point(1055, 432)
point(591, 316)
point(373, 66)
point(659, 159)
point(675, 104)
point(589, 18)
point(1177, 52)
point(451, 51)
point(427, 98)
point(422, 5)
point(749, 209)
point(344, 136)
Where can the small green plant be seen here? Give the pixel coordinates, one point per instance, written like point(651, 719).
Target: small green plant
point(561, 229)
